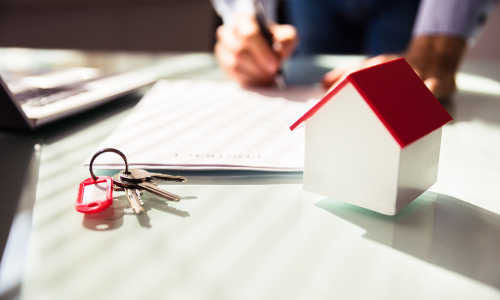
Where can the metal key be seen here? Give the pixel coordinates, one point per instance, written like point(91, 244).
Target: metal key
point(133, 195)
point(145, 185)
point(139, 175)
point(120, 189)
point(134, 200)
point(143, 177)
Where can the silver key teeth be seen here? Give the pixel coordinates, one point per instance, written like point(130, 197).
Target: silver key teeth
point(134, 200)
point(138, 192)
point(152, 188)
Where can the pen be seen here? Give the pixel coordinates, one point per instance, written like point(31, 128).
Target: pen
point(268, 36)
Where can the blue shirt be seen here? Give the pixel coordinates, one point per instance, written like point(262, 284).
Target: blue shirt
point(435, 17)
point(451, 17)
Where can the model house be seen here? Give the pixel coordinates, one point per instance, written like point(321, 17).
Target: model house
point(374, 140)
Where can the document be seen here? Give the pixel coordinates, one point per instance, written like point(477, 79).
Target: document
point(209, 125)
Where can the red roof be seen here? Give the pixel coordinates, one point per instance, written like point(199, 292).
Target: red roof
point(397, 96)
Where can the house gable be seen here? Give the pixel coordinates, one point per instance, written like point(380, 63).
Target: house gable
point(350, 155)
point(397, 96)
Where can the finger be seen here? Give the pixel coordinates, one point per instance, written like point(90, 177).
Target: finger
point(243, 60)
point(219, 33)
point(332, 77)
point(262, 54)
point(419, 73)
point(248, 31)
point(225, 59)
point(337, 75)
point(234, 69)
point(286, 40)
point(440, 89)
point(228, 63)
point(226, 36)
point(247, 65)
point(431, 84)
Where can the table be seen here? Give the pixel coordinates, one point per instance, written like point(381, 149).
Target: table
point(247, 235)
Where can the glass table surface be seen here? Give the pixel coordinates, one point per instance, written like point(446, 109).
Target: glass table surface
point(245, 235)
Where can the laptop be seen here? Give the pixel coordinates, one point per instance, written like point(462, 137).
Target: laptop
point(27, 102)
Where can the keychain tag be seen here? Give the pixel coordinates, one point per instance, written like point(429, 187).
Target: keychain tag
point(95, 195)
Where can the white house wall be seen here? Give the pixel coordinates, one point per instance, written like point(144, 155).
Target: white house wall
point(350, 155)
point(418, 167)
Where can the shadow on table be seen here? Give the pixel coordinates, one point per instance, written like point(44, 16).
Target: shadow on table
point(436, 228)
point(19, 162)
point(112, 217)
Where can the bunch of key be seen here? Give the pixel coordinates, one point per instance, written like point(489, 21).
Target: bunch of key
point(95, 193)
point(134, 181)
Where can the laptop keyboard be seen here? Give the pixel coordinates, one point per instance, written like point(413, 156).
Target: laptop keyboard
point(41, 97)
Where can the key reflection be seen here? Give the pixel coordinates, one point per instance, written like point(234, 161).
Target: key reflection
point(112, 217)
point(108, 219)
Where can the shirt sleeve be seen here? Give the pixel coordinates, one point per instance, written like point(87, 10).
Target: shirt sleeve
point(227, 9)
point(452, 17)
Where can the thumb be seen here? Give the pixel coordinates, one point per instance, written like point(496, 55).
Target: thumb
point(285, 40)
point(332, 77)
point(441, 88)
point(432, 84)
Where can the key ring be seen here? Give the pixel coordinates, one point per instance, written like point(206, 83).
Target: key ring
point(103, 151)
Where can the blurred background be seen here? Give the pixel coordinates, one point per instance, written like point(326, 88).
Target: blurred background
point(146, 25)
point(138, 25)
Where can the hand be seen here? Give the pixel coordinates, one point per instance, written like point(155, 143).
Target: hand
point(335, 76)
point(434, 58)
point(243, 53)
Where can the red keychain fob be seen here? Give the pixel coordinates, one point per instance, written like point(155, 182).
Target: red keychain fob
point(95, 195)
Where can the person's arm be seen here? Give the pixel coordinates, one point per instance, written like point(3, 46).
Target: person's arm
point(439, 40)
point(241, 50)
point(441, 32)
point(459, 18)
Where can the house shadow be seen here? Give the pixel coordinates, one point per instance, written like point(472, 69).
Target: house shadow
point(439, 229)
